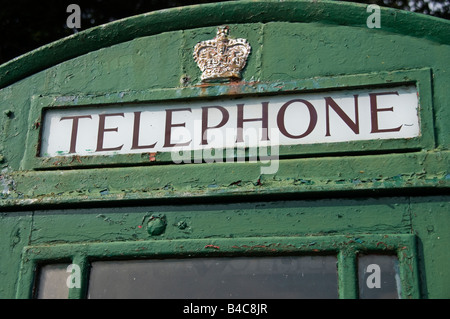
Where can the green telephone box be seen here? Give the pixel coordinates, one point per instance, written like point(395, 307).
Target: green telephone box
point(245, 149)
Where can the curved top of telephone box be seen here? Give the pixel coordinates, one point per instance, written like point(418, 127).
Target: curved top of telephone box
point(297, 47)
point(235, 12)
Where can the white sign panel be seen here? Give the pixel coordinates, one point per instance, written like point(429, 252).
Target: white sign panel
point(287, 119)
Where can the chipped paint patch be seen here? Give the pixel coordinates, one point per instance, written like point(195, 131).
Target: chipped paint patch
point(7, 183)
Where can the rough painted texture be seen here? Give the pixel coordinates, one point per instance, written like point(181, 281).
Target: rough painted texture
point(15, 229)
point(292, 218)
point(360, 189)
point(431, 223)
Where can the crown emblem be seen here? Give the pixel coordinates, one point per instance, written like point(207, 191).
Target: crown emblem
point(221, 58)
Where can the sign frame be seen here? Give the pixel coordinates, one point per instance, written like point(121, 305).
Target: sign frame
point(421, 78)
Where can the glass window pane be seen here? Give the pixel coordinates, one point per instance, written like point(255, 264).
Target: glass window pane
point(52, 282)
point(218, 278)
point(378, 277)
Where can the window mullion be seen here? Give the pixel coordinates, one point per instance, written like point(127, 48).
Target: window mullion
point(79, 277)
point(347, 274)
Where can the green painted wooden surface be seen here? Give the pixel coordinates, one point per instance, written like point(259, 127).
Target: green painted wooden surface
point(347, 248)
point(394, 188)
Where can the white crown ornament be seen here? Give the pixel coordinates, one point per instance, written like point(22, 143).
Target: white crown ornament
point(221, 58)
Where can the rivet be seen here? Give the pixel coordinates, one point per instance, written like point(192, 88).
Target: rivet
point(156, 225)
